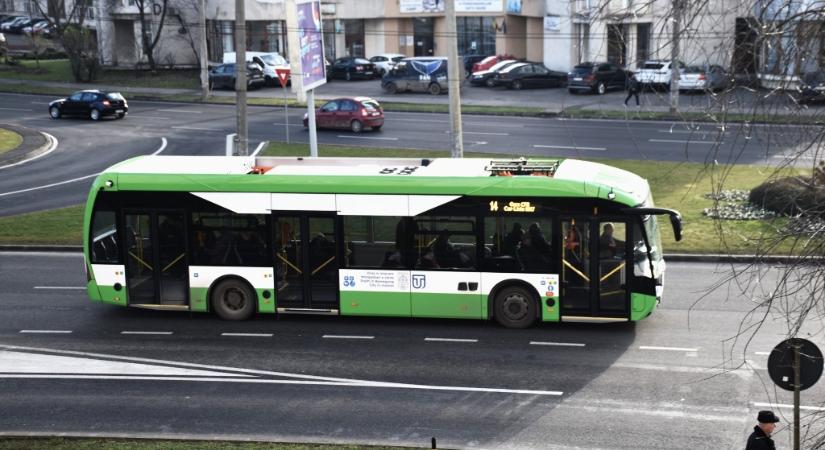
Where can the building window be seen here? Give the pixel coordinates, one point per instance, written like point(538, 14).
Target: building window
point(476, 35)
point(354, 37)
point(583, 42)
point(266, 36)
point(642, 43)
point(617, 44)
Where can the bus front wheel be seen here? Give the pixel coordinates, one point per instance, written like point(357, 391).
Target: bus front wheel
point(515, 307)
point(233, 300)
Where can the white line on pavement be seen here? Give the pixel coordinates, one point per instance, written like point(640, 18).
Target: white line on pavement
point(46, 331)
point(677, 141)
point(247, 334)
point(342, 336)
point(60, 287)
point(482, 132)
point(162, 146)
point(187, 111)
point(184, 127)
point(781, 405)
point(299, 124)
point(52, 147)
point(365, 137)
point(146, 116)
point(17, 109)
point(165, 333)
point(670, 349)
point(449, 340)
point(558, 344)
point(46, 186)
point(565, 147)
point(762, 353)
point(792, 157)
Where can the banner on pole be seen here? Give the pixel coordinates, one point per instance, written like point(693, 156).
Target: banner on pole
point(311, 43)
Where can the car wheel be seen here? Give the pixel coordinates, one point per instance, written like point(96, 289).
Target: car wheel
point(348, 76)
point(434, 89)
point(94, 114)
point(515, 307)
point(572, 91)
point(490, 83)
point(391, 88)
point(54, 112)
point(356, 126)
point(378, 128)
point(121, 115)
point(517, 85)
point(601, 88)
point(233, 300)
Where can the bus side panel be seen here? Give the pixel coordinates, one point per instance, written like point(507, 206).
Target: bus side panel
point(110, 282)
point(446, 294)
point(201, 278)
point(641, 305)
point(365, 292)
point(546, 285)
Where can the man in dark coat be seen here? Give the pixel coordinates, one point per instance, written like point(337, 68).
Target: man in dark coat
point(760, 439)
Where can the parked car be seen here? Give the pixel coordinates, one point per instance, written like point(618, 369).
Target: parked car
point(417, 74)
point(487, 62)
point(485, 77)
point(38, 28)
point(469, 60)
point(17, 27)
point(385, 61)
point(812, 87)
point(350, 68)
point(269, 62)
point(93, 104)
point(596, 77)
point(6, 26)
point(223, 76)
point(657, 73)
point(708, 78)
point(528, 75)
point(353, 113)
point(3, 46)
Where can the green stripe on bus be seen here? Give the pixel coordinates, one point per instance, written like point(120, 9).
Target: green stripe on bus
point(108, 294)
point(550, 313)
point(355, 303)
point(265, 305)
point(198, 300)
point(454, 306)
point(641, 305)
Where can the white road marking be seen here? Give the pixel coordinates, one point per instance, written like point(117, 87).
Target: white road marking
point(18, 109)
point(677, 141)
point(164, 333)
point(341, 336)
point(449, 340)
point(146, 116)
point(247, 334)
point(61, 287)
point(52, 147)
point(565, 147)
point(781, 405)
point(366, 137)
point(482, 132)
point(691, 131)
point(259, 148)
point(487, 125)
point(184, 127)
point(46, 331)
point(299, 124)
point(793, 157)
point(668, 349)
point(762, 353)
point(478, 143)
point(162, 146)
point(558, 344)
point(187, 111)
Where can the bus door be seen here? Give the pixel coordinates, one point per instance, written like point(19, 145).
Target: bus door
point(594, 269)
point(156, 264)
point(306, 262)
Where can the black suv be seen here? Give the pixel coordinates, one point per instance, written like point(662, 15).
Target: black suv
point(596, 77)
point(93, 104)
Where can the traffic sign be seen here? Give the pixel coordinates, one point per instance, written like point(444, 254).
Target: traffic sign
point(283, 76)
point(781, 364)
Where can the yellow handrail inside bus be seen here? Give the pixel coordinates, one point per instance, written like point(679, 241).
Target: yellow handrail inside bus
point(577, 271)
point(322, 265)
point(606, 276)
point(173, 262)
point(286, 261)
point(141, 261)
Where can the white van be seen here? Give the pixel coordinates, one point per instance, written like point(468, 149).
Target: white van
point(269, 62)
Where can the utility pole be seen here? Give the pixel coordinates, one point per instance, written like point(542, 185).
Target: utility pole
point(240, 77)
point(674, 57)
point(204, 58)
point(454, 82)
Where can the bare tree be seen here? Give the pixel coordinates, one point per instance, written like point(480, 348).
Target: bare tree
point(68, 27)
point(151, 29)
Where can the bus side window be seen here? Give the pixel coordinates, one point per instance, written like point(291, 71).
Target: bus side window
point(105, 248)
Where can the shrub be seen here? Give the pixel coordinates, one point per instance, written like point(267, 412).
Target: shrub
point(791, 196)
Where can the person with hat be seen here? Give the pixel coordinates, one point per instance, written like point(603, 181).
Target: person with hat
point(760, 439)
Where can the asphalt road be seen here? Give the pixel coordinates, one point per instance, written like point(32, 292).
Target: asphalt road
point(85, 148)
point(674, 380)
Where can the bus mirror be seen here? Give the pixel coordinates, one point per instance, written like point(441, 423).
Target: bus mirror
point(676, 223)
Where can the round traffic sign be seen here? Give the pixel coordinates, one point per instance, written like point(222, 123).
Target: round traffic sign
point(781, 362)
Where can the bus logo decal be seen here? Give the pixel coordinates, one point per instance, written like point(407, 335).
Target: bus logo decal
point(349, 281)
point(419, 281)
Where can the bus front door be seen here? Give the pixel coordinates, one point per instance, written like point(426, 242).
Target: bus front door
point(306, 263)
point(156, 265)
point(593, 274)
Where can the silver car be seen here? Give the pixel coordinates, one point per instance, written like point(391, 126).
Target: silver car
point(710, 78)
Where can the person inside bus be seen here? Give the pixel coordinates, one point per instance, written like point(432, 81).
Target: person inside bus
point(446, 253)
point(321, 249)
point(512, 242)
point(251, 248)
point(535, 250)
point(609, 246)
point(428, 259)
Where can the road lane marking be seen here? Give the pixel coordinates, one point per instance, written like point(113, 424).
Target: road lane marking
point(782, 405)
point(449, 340)
point(162, 146)
point(18, 109)
point(187, 111)
point(565, 147)
point(558, 344)
point(668, 349)
point(247, 334)
point(147, 116)
point(46, 331)
point(299, 124)
point(481, 132)
point(184, 127)
point(678, 141)
point(60, 287)
point(164, 333)
point(343, 336)
point(792, 157)
point(365, 137)
point(52, 147)
point(762, 353)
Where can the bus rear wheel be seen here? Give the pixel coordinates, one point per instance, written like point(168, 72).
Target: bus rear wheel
point(515, 307)
point(233, 300)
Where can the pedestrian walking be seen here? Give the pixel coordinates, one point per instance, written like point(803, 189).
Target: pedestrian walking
point(632, 89)
point(760, 439)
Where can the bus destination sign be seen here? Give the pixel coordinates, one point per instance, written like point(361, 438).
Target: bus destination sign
point(513, 207)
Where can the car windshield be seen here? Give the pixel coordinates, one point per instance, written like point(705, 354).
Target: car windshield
point(653, 65)
point(360, 61)
point(371, 105)
point(274, 60)
point(115, 96)
point(694, 69)
point(397, 58)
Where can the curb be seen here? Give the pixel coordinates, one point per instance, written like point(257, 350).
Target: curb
point(34, 143)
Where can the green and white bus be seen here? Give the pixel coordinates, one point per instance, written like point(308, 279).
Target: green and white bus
point(519, 241)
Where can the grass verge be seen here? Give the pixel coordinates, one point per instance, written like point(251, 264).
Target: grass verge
point(9, 140)
point(59, 70)
point(150, 444)
point(675, 185)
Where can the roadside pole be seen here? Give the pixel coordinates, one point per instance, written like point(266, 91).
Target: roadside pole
point(240, 77)
point(203, 56)
point(454, 82)
point(283, 76)
point(674, 57)
point(313, 136)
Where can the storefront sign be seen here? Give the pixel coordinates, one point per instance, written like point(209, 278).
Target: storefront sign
point(461, 6)
point(311, 41)
point(514, 6)
point(551, 23)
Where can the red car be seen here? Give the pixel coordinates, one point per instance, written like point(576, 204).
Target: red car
point(352, 113)
point(490, 61)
